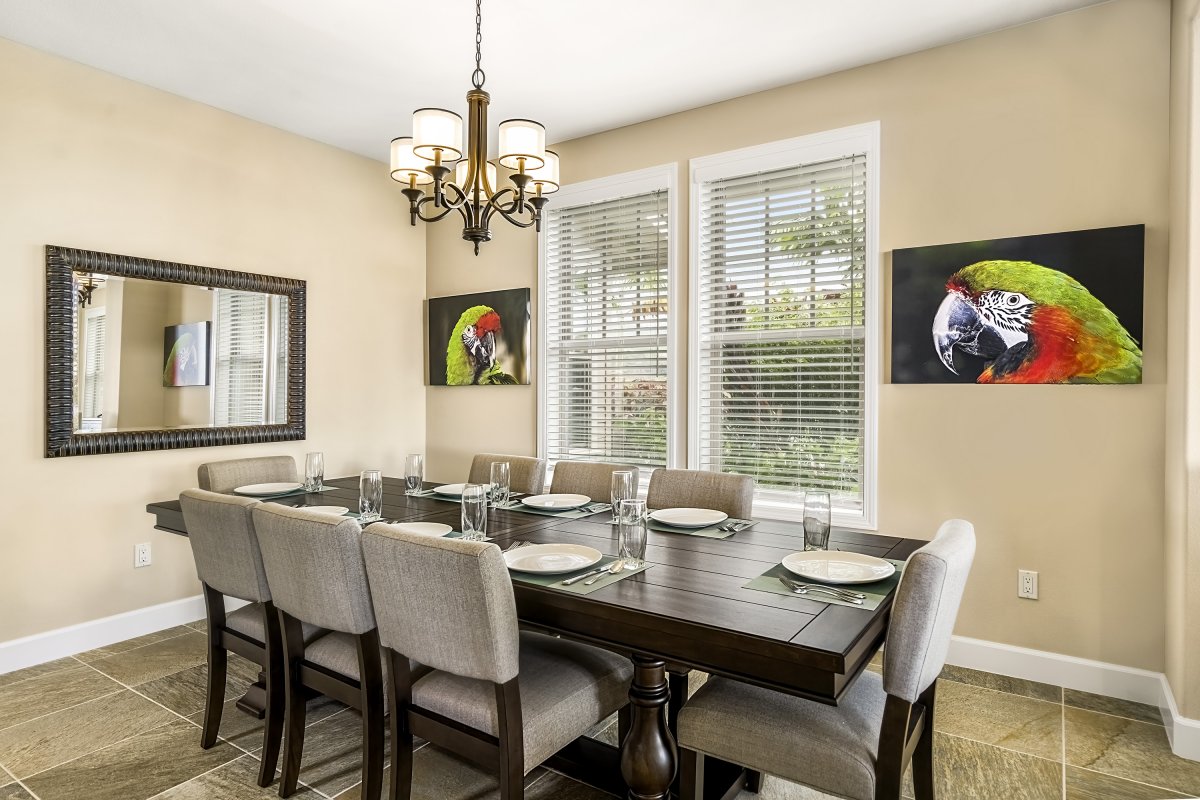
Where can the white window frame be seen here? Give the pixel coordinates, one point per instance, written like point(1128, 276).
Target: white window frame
point(808, 149)
point(662, 177)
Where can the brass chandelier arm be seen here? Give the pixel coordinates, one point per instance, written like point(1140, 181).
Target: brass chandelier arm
point(517, 206)
point(416, 210)
point(463, 197)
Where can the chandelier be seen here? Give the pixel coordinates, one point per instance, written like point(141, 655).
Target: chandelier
point(436, 148)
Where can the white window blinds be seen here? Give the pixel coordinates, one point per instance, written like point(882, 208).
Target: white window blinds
point(781, 389)
point(251, 358)
point(93, 365)
point(605, 269)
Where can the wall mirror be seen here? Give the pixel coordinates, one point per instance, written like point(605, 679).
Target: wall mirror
point(154, 355)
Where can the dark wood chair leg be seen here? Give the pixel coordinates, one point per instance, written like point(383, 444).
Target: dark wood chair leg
point(371, 689)
point(399, 697)
point(624, 721)
point(218, 661)
point(293, 743)
point(753, 781)
point(922, 760)
point(276, 699)
point(512, 741)
point(893, 738)
point(691, 774)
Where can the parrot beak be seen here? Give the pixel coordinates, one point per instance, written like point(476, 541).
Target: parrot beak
point(956, 325)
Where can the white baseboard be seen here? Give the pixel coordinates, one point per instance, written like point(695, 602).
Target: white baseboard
point(1085, 675)
point(42, 647)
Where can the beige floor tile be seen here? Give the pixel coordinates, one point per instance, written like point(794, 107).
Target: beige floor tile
point(246, 732)
point(237, 780)
point(157, 660)
point(14, 792)
point(55, 738)
point(553, 786)
point(21, 702)
point(1084, 784)
point(1111, 705)
point(1125, 748)
point(37, 671)
point(134, 769)
point(199, 625)
point(966, 770)
point(1003, 683)
point(440, 774)
point(332, 759)
point(1011, 721)
point(184, 692)
point(132, 644)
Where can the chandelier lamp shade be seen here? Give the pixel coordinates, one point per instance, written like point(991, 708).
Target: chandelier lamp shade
point(441, 173)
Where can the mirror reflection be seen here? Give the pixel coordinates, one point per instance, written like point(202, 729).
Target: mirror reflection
point(153, 355)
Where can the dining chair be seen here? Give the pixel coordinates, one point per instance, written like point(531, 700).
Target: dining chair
point(525, 474)
point(591, 478)
point(696, 488)
point(503, 698)
point(859, 748)
point(314, 567)
point(225, 476)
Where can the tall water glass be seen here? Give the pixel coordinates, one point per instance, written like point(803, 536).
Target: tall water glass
point(414, 473)
point(816, 520)
point(370, 495)
point(314, 472)
point(631, 532)
point(622, 489)
point(499, 483)
point(474, 512)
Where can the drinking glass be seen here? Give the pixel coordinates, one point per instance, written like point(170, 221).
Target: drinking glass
point(370, 495)
point(622, 489)
point(631, 533)
point(314, 472)
point(414, 473)
point(474, 512)
point(499, 483)
point(816, 520)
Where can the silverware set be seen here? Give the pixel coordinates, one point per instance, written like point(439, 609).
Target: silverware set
point(845, 595)
point(734, 526)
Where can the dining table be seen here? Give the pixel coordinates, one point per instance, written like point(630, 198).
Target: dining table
point(690, 610)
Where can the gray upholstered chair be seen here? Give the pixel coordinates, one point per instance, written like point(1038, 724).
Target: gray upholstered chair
point(314, 567)
point(225, 476)
point(505, 699)
point(593, 479)
point(694, 488)
point(859, 748)
point(525, 474)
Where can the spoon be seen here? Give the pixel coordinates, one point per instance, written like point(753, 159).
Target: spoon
point(616, 567)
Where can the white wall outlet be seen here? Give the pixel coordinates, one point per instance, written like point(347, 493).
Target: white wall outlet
point(141, 555)
point(1027, 584)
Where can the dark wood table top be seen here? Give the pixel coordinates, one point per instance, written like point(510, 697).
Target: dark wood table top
point(689, 608)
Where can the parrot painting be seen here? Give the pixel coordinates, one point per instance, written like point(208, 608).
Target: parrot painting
point(1032, 324)
point(471, 351)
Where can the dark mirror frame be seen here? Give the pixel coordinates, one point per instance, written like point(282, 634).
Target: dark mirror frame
point(61, 438)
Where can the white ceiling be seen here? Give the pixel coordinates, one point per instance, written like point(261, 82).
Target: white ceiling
point(350, 72)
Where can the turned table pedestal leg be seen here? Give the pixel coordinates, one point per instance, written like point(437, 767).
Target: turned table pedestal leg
point(648, 755)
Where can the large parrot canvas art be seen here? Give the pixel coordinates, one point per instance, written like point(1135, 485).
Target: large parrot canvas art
point(479, 339)
point(1051, 308)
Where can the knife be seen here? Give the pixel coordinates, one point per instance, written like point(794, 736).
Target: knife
point(587, 574)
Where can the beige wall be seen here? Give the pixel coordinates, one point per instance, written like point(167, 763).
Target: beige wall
point(143, 396)
point(93, 161)
point(1057, 125)
point(188, 405)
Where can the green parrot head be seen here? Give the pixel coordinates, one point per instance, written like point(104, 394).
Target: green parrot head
point(471, 351)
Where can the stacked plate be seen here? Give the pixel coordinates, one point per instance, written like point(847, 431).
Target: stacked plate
point(268, 489)
point(551, 559)
point(838, 567)
point(556, 502)
point(688, 517)
point(453, 490)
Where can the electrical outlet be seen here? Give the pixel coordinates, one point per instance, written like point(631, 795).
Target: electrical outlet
point(1027, 584)
point(141, 555)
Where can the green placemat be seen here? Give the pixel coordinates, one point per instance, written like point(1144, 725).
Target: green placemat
point(876, 592)
point(711, 532)
point(555, 581)
point(292, 493)
point(571, 513)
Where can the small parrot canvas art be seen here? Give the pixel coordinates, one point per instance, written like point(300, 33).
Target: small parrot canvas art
point(479, 339)
point(1052, 308)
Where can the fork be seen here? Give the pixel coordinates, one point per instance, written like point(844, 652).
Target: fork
point(845, 594)
point(516, 544)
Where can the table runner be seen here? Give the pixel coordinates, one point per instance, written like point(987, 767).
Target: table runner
point(876, 592)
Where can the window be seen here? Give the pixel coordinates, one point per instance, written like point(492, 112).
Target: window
point(784, 341)
point(250, 345)
point(605, 268)
point(93, 368)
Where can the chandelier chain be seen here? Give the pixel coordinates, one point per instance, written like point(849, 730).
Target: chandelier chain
point(478, 76)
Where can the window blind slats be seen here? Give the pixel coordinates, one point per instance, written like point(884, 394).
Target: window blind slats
point(93, 366)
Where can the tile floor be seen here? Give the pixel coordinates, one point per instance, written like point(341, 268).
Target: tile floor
point(122, 723)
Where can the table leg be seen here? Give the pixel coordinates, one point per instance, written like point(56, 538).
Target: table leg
point(254, 701)
point(648, 755)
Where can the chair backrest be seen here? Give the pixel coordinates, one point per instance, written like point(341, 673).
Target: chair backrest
point(925, 608)
point(221, 531)
point(315, 567)
point(693, 488)
point(446, 603)
point(525, 474)
point(225, 476)
point(588, 477)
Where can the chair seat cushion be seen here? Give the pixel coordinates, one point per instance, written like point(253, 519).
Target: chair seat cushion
point(830, 748)
point(337, 652)
point(248, 621)
point(565, 687)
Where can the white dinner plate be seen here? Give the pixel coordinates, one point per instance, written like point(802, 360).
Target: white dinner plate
point(552, 559)
point(838, 567)
point(267, 489)
point(425, 528)
point(556, 502)
point(339, 510)
point(450, 489)
point(688, 517)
